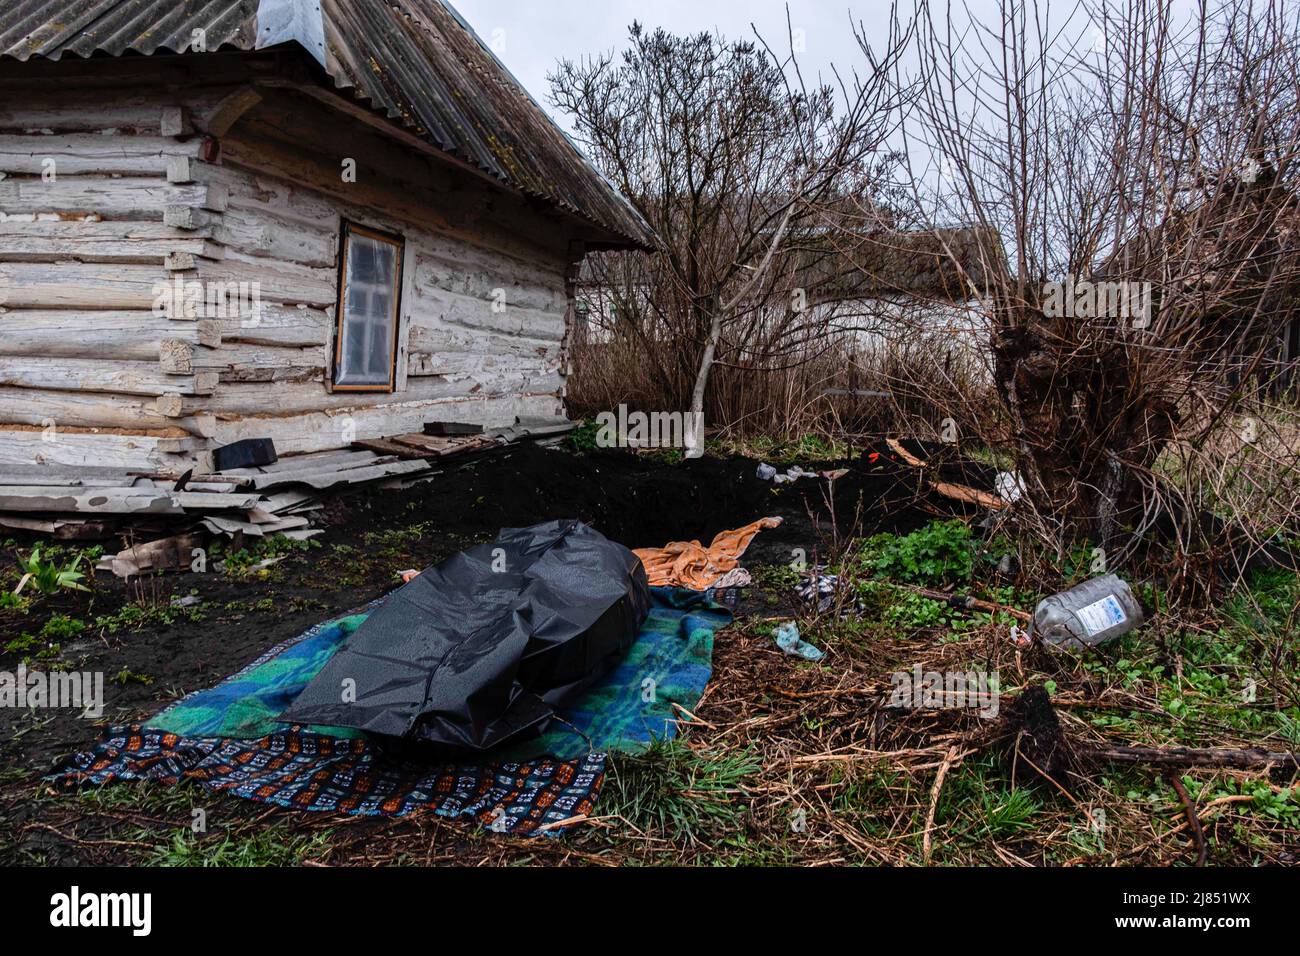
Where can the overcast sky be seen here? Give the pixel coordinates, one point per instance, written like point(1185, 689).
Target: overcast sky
point(529, 37)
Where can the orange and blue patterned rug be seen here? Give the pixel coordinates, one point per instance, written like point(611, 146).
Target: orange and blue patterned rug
point(307, 771)
point(229, 739)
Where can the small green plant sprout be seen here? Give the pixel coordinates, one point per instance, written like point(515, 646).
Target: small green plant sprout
point(127, 676)
point(47, 576)
point(12, 600)
point(257, 558)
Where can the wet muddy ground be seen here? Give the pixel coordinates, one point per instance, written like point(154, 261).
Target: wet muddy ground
point(778, 721)
point(152, 650)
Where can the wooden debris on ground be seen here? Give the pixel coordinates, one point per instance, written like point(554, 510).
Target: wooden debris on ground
point(169, 514)
point(948, 489)
point(163, 555)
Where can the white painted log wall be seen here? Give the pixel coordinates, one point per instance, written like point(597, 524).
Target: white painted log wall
point(84, 240)
point(80, 259)
point(463, 360)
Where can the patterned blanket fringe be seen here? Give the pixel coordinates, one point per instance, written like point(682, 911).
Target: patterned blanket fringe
point(307, 771)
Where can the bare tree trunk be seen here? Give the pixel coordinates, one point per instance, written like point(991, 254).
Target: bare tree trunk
point(696, 449)
point(720, 310)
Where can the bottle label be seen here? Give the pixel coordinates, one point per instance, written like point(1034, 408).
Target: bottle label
point(1102, 615)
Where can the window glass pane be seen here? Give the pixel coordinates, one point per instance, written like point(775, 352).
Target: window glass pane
point(369, 311)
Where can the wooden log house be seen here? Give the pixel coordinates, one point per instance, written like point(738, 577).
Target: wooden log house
point(311, 222)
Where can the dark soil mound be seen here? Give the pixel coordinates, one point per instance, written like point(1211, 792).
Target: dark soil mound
point(635, 501)
point(1037, 748)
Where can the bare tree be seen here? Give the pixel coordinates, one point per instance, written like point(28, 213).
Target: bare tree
point(741, 168)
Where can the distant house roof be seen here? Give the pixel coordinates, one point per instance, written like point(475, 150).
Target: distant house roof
point(950, 263)
point(417, 61)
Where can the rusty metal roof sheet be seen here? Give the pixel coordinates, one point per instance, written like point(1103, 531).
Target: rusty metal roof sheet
point(417, 61)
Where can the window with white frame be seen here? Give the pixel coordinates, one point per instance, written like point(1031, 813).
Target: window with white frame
point(370, 291)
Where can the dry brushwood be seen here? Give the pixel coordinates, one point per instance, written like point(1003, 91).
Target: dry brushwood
point(1163, 166)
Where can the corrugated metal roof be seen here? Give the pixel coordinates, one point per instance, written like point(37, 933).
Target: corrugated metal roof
point(52, 28)
point(416, 61)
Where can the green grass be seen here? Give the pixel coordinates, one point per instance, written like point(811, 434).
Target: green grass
point(141, 797)
point(139, 615)
point(677, 792)
point(783, 453)
point(394, 541)
point(273, 846)
point(1224, 677)
point(1270, 607)
point(978, 804)
point(867, 794)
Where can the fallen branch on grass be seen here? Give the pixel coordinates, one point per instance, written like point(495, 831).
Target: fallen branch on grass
point(1237, 758)
point(939, 776)
point(1193, 822)
point(971, 603)
point(864, 755)
point(691, 718)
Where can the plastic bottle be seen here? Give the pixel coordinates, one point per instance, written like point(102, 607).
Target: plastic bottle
point(1088, 614)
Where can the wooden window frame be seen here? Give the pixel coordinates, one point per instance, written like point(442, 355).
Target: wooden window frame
point(346, 230)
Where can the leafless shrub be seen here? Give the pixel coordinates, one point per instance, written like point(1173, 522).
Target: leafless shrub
point(904, 382)
point(1118, 145)
point(745, 172)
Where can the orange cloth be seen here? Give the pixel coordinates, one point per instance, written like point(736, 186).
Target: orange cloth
point(688, 564)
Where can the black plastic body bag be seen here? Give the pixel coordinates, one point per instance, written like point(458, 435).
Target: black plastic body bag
point(484, 647)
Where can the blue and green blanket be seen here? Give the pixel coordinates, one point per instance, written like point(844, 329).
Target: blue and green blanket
point(229, 737)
